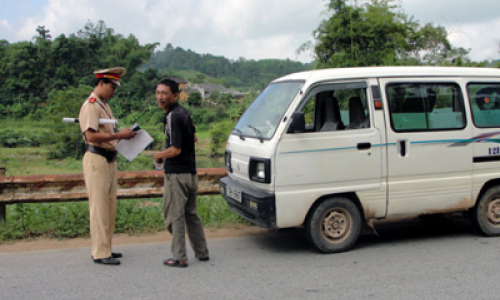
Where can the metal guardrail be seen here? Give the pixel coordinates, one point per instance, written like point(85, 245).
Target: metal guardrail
point(71, 187)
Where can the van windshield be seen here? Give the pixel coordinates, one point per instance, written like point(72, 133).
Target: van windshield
point(262, 117)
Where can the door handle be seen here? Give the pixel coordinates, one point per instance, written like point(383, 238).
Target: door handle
point(402, 148)
point(364, 146)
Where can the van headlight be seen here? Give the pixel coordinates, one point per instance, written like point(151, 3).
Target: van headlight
point(259, 170)
point(227, 161)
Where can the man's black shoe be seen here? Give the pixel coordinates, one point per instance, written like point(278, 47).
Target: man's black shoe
point(107, 261)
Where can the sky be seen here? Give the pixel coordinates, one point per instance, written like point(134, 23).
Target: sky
point(253, 29)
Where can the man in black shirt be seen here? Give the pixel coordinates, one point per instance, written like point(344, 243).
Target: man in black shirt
point(181, 181)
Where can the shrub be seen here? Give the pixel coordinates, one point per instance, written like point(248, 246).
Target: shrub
point(219, 133)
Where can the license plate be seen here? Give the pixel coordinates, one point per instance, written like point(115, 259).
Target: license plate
point(233, 193)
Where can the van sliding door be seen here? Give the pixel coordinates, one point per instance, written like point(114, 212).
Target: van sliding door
point(429, 165)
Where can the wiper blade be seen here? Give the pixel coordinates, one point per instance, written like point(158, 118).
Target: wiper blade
point(258, 133)
point(240, 133)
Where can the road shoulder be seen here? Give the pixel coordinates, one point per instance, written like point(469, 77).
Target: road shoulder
point(38, 244)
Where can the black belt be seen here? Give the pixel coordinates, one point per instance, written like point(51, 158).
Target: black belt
point(108, 154)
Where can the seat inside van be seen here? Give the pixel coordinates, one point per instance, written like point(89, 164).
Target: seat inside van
point(328, 113)
point(357, 117)
point(415, 102)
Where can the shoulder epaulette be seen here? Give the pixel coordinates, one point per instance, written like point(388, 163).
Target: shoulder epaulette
point(92, 99)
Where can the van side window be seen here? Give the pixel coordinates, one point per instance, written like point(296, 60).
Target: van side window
point(425, 106)
point(485, 103)
point(337, 109)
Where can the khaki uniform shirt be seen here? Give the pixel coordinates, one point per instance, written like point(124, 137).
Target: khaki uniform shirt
point(92, 110)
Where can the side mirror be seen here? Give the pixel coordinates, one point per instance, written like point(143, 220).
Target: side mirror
point(298, 123)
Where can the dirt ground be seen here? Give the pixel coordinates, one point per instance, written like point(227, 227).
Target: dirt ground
point(120, 239)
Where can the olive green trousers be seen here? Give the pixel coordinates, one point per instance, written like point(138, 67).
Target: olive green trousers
point(180, 212)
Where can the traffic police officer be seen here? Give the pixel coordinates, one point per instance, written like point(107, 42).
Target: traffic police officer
point(99, 167)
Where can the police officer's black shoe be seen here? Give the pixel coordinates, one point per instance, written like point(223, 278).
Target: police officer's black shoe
point(107, 261)
point(113, 255)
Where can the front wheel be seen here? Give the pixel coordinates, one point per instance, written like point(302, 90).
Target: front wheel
point(486, 213)
point(334, 225)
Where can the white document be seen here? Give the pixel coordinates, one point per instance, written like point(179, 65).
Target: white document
point(131, 148)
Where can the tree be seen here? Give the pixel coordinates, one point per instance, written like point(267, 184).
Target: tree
point(194, 99)
point(219, 132)
point(377, 33)
point(66, 103)
point(30, 71)
point(23, 76)
point(214, 97)
point(90, 30)
point(235, 112)
point(199, 78)
point(239, 73)
point(43, 33)
point(225, 99)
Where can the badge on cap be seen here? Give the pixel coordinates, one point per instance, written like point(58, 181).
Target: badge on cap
point(113, 74)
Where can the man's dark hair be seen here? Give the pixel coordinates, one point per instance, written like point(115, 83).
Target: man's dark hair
point(104, 79)
point(174, 86)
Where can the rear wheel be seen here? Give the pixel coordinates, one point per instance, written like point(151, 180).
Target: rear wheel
point(486, 213)
point(334, 225)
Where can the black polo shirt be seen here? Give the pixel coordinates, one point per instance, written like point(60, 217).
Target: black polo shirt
point(179, 132)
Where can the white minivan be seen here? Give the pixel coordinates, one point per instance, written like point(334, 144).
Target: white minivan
point(332, 150)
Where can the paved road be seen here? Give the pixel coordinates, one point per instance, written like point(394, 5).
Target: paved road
point(422, 259)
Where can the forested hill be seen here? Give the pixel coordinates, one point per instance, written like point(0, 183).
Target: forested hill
point(254, 74)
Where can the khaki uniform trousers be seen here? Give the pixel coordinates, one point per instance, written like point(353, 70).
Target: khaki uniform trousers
point(101, 182)
point(180, 212)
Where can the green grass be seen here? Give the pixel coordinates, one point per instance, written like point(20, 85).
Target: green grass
point(33, 161)
point(69, 220)
point(203, 134)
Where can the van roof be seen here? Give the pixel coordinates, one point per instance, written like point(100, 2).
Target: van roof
point(402, 71)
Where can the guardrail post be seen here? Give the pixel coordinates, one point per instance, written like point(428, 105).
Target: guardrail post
point(3, 217)
point(3, 207)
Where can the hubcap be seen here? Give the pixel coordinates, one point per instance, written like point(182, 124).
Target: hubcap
point(336, 225)
point(493, 212)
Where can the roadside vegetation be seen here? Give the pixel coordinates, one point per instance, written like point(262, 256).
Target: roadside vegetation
point(45, 79)
point(71, 219)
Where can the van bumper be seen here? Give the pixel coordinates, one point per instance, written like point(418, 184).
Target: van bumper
point(256, 206)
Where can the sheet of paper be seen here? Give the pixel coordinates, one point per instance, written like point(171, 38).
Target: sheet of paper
point(131, 148)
